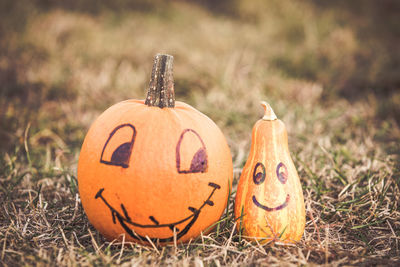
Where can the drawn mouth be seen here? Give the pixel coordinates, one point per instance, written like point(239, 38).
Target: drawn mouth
point(126, 222)
point(283, 205)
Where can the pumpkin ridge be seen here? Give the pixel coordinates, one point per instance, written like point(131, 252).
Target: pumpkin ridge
point(245, 173)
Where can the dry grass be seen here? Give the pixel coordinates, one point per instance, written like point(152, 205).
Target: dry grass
point(66, 64)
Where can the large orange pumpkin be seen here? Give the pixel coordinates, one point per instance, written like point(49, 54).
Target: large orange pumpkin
point(155, 170)
point(269, 200)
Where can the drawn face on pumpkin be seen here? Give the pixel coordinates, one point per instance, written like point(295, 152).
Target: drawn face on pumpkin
point(118, 154)
point(259, 178)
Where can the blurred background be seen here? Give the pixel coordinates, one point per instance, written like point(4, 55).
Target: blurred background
point(329, 68)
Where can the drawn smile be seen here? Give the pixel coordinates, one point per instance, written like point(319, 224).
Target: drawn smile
point(283, 205)
point(126, 222)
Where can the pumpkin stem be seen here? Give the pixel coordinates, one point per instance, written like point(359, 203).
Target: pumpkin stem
point(269, 114)
point(161, 87)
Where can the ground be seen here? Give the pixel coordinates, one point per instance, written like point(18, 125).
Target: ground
point(330, 71)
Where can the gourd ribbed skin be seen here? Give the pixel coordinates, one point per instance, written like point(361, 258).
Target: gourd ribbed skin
point(271, 207)
point(152, 173)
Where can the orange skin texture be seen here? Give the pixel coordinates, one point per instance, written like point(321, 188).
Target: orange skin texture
point(270, 147)
point(151, 184)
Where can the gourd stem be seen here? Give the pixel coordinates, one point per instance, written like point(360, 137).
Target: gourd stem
point(161, 87)
point(269, 114)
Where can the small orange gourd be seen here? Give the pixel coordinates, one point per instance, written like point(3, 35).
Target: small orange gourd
point(154, 170)
point(269, 200)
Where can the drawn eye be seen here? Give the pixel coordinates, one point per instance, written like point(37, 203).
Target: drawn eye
point(282, 172)
point(118, 148)
point(190, 143)
point(259, 173)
